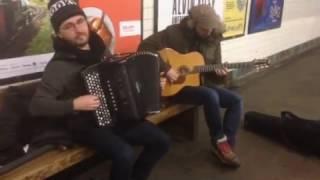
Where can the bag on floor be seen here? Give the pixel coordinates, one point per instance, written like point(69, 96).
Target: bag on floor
point(298, 133)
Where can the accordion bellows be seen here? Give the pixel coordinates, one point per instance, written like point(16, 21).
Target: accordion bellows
point(128, 88)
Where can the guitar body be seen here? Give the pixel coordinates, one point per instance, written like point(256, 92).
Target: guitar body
point(190, 65)
point(178, 62)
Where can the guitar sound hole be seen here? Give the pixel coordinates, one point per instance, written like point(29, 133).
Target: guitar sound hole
point(184, 70)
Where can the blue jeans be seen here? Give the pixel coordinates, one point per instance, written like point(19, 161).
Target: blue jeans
point(212, 98)
point(117, 145)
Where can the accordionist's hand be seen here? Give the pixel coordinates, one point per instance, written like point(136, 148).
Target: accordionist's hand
point(86, 103)
point(163, 80)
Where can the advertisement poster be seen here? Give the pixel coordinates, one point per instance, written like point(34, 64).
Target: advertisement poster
point(26, 33)
point(25, 42)
point(121, 19)
point(173, 11)
point(231, 12)
point(234, 17)
point(265, 14)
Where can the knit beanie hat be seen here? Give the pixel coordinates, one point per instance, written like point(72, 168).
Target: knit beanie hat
point(60, 10)
point(205, 16)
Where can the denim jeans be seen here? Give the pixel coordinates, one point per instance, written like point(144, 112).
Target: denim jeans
point(117, 145)
point(212, 98)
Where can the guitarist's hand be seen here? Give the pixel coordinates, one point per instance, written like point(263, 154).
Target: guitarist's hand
point(221, 71)
point(172, 75)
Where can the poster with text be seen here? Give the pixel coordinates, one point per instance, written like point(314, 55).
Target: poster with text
point(234, 17)
point(231, 12)
point(265, 14)
point(173, 11)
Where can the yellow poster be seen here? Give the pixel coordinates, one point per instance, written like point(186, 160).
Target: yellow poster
point(234, 16)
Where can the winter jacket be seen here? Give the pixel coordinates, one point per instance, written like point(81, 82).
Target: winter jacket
point(183, 38)
point(61, 82)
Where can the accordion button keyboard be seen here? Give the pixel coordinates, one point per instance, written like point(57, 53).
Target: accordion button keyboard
point(102, 113)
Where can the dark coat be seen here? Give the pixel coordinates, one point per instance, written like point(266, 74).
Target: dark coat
point(62, 83)
point(183, 38)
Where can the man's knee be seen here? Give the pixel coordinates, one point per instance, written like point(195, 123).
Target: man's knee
point(164, 142)
point(210, 95)
point(124, 155)
point(238, 99)
point(161, 140)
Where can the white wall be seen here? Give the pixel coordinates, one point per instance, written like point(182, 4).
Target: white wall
point(148, 12)
point(300, 23)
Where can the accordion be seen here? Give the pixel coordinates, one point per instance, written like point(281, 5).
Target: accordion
point(128, 88)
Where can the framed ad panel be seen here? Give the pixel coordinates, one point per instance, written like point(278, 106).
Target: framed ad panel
point(26, 33)
point(25, 40)
point(265, 14)
point(234, 17)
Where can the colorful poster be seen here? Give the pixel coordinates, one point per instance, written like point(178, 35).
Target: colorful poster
point(234, 16)
point(265, 14)
point(25, 41)
point(25, 33)
point(122, 22)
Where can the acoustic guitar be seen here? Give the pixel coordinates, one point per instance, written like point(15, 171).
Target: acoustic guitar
point(190, 66)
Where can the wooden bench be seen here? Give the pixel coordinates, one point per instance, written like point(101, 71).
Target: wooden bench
point(55, 160)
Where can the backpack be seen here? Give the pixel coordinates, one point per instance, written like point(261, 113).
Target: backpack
point(15, 130)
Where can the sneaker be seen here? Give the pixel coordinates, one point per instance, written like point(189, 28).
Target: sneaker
point(225, 154)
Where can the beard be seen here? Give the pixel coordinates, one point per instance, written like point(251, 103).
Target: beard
point(202, 37)
point(80, 40)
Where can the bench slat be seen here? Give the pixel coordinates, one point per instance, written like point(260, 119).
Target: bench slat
point(168, 113)
point(48, 164)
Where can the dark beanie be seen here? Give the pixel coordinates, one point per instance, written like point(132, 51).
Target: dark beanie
point(60, 10)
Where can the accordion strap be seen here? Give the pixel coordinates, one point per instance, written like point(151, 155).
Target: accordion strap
point(118, 57)
point(126, 56)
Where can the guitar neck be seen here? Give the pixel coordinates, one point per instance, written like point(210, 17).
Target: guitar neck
point(212, 67)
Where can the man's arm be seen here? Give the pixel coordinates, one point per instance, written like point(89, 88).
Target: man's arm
point(45, 100)
point(212, 54)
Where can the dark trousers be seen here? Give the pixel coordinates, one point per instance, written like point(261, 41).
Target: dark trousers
point(117, 145)
point(212, 99)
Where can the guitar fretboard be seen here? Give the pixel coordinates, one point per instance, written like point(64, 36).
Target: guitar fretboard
point(212, 67)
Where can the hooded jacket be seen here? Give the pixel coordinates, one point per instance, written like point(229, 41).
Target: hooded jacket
point(61, 82)
point(183, 38)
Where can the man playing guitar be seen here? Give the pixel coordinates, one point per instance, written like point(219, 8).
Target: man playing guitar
point(201, 31)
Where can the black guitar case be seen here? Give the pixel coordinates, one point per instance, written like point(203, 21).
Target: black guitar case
point(298, 133)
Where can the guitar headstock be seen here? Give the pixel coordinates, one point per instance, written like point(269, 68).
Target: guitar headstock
point(261, 63)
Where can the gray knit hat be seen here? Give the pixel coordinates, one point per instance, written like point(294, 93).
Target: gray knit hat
point(205, 16)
